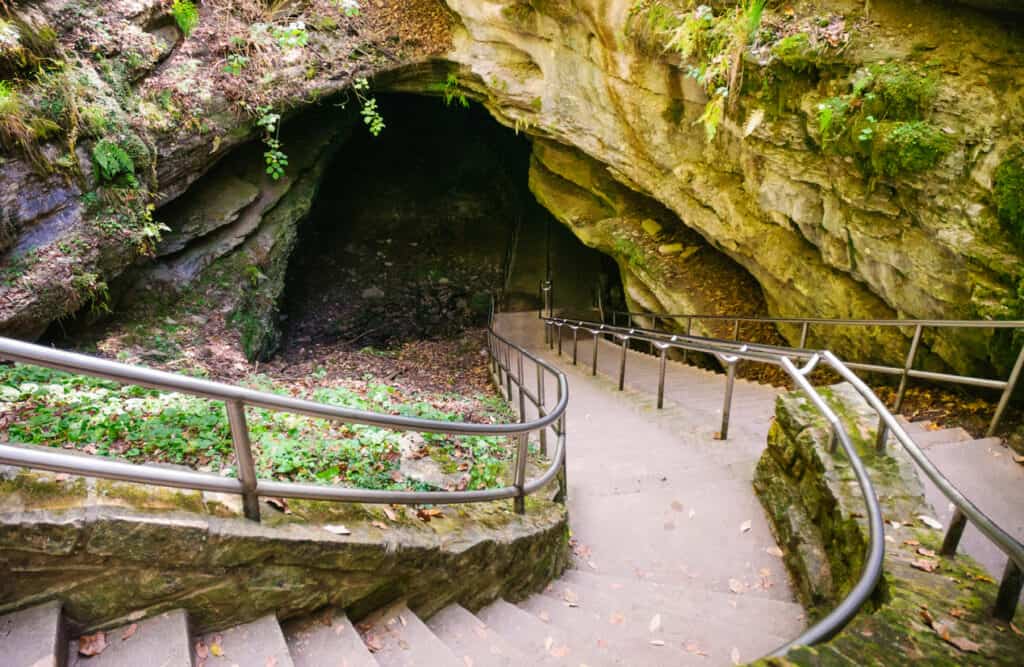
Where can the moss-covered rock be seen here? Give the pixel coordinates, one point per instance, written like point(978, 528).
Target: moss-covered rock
point(924, 604)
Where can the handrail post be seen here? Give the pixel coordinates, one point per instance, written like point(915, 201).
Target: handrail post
point(689, 328)
point(736, 330)
point(1011, 384)
point(243, 457)
point(560, 340)
point(541, 410)
point(575, 344)
point(622, 363)
point(508, 372)
point(519, 503)
point(522, 389)
point(883, 430)
point(593, 361)
point(803, 335)
point(730, 381)
point(1009, 592)
point(661, 377)
point(956, 529)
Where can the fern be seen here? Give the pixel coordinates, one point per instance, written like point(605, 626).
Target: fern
point(113, 162)
point(185, 15)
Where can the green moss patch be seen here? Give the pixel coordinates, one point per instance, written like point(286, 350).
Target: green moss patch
point(1008, 192)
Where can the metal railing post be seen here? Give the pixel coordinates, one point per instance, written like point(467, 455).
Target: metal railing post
point(953, 534)
point(622, 363)
point(883, 430)
point(1009, 592)
point(593, 361)
point(736, 331)
point(803, 335)
point(689, 328)
point(575, 343)
point(522, 389)
point(243, 457)
point(519, 502)
point(661, 377)
point(1011, 384)
point(540, 410)
point(559, 340)
point(508, 372)
point(730, 381)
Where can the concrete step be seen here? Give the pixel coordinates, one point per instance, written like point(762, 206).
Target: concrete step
point(694, 611)
point(474, 641)
point(34, 637)
point(710, 546)
point(398, 638)
point(162, 640)
point(543, 642)
point(260, 644)
point(984, 470)
point(326, 638)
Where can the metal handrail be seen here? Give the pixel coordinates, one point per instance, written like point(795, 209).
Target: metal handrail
point(906, 371)
point(731, 352)
point(236, 399)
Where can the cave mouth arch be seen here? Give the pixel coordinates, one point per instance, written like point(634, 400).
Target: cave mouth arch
point(412, 230)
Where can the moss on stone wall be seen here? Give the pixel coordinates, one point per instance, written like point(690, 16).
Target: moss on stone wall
point(1008, 192)
point(817, 513)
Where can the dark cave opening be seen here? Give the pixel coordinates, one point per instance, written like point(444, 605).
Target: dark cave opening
point(412, 232)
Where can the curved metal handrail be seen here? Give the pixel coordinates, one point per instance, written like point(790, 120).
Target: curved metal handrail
point(236, 399)
point(731, 352)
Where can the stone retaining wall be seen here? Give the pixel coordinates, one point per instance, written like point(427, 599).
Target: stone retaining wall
point(115, 552)
point(818, 515)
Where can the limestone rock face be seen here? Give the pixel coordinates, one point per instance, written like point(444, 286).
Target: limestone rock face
point(823, 231)
point(819, 237)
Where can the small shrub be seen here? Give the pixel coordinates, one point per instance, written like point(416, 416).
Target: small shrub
point(796, 52)
point(908, 147)
point(291, 36)
point(186, 15)
point(905, 93)
point(236, 62)
point(113, 163)
point(1008, 191)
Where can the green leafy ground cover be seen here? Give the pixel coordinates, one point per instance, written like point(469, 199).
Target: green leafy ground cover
point(45, 407)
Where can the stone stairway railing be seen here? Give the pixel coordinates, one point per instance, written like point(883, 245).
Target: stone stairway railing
point(798, 364)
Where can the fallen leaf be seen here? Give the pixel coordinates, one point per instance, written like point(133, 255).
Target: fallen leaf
point(216, 650)
point(1018, 458)
point(677, 506)
point(201, 651)
point(957, 612)
point(736, 586)
point(964, 644)
point(428, 513)
point(373, 642)
point(271, 661)
point(280, 504)
point(390, 513)
point(657, 642)
point(616, 619)
point(735, 655)
point(867, 633)
point(911, 543)
point(570, 596)
point(929, 521)
point(337, 529)
point(89, 645)
point(926, 552)
point(745, 526)
point(774, 551)
point(694, 648)
point(655, 623)
point(129, 631)
point(560, 651)
point(924, 564)
point(1017, 631)
point(379, 524)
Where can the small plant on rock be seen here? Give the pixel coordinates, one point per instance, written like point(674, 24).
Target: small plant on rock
point(368, 107)
point(186, 15)
point(113, 164)
point(274, 157)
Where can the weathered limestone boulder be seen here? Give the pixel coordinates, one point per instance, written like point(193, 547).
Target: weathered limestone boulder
point(817, 512)
point(116, 552)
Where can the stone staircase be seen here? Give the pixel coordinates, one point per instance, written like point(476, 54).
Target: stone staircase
point(582, 619)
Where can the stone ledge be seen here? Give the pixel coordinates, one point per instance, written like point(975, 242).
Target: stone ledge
point(116, 552)
point(817, 513)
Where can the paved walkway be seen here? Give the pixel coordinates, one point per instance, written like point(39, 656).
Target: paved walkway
point(659, 506)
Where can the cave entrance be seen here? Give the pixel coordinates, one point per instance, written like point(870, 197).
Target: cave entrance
point(413, 230)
